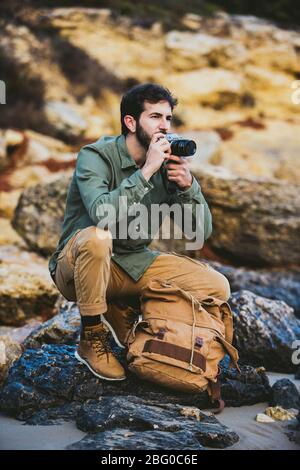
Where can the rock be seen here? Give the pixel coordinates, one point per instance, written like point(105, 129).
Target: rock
point(10, 350)
point(53, 67)
point(39, 215)
point(65, 119)
point(255, 221)
point(216, 87)
point(51, 377)
point(137, 414)
point(19, 334)
point(264, 148)
point(278, 56)
point(32, 175)
point(277, 285)
point(264, 331)
point(62, 328)
point(41, 148)
point(59, 415)
point(9, 139)
point(248, 387)
point(11, 346)
point(208, 145)
point(191, 21)
point(26, 288)
point(280, 414)
point(262, 418)
point(285, 394)
point(120, 439)
point(190, 51)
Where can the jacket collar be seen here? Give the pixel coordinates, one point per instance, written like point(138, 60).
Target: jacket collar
point(126, 159)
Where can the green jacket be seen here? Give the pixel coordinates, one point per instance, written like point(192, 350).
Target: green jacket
point(104, 171)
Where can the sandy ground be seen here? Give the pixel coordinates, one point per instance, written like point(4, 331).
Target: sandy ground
point(14, 435)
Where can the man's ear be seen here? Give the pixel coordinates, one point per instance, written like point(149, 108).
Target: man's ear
point(130, 122)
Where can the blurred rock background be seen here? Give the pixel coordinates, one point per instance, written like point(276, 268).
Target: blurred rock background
point(235, 69)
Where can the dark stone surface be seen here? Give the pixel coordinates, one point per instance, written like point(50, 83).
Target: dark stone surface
point(51, 377)
point(248, 387)
point(51, 416)
point(47, 386)
point(264, 331)
point(140, 414)
point(276, 285)
point(121, 439)
point(284, 393)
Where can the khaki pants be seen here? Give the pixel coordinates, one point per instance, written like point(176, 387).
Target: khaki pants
point(87, 274)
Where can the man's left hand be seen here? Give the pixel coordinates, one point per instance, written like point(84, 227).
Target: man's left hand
point(179, 172)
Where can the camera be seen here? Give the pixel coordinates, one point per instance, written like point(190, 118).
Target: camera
point(181, 148)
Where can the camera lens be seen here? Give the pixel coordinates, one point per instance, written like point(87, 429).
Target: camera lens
point(183, 147)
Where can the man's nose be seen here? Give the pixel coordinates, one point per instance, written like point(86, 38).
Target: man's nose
point(164, 125)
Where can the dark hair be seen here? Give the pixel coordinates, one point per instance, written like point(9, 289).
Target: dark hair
point(133, 100)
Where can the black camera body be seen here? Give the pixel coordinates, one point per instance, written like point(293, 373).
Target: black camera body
point(181, 148)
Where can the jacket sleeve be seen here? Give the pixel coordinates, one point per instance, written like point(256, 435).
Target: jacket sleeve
point(195, 200)
point(93, 175)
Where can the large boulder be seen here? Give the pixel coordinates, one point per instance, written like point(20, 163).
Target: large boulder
point(39, 214)
point(65, 119)
point(163, 422)
point(256, 221)
point(277, 285)
point(26, 288)
point(264, 331)
point(285, 394)
point(63, 328)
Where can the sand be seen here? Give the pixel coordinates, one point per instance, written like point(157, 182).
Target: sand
point(14, 435)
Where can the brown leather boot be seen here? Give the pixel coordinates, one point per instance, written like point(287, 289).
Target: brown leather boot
point(95, 352)
point(120, 319)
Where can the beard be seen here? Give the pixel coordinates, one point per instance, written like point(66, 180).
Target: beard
point(142, 136)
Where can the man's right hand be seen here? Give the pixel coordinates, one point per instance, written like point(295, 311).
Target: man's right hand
point(158, 151)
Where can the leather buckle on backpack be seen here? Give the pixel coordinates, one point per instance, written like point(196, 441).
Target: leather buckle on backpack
point(161, 333)
point(198, 341)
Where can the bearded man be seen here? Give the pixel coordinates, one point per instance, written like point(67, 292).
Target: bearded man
point(95, 267)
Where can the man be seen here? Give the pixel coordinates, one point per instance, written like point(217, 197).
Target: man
point(91, 267)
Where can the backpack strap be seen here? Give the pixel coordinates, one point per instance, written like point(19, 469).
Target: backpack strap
point(215, 395)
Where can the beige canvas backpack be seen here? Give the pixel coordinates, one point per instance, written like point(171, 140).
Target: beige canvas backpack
point(179, 341)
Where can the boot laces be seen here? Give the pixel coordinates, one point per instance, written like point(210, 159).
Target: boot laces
point(131, 317)
point(100, 342)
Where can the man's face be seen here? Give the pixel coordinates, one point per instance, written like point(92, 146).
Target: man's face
point(155, 118)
